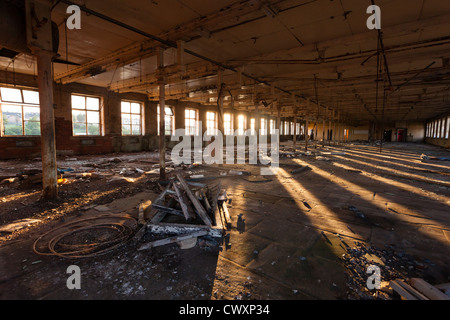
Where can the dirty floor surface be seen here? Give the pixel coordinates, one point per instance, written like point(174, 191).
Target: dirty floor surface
point(292, 235)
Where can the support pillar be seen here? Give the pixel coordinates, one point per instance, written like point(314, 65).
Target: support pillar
point(48, 142)
point(162, 114)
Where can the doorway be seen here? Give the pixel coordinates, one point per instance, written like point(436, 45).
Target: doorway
point(387, 135)
point(401, 135)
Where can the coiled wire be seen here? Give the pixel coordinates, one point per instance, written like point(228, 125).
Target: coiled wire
point(52, 242)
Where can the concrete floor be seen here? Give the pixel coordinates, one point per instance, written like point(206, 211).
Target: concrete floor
point(287, 235)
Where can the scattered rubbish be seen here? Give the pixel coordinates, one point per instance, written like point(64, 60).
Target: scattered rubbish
point(17, 225)
point(256, 179)
point(239, 173)
point(394, 265)
point(302, 169)
point(357, 212)
point(306, 204)
point(326, 238)
point(354, 171)
point(424, 157)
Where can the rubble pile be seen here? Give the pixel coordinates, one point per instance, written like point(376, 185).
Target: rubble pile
point(393, 264)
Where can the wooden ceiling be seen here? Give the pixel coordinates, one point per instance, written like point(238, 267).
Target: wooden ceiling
point(308, 57)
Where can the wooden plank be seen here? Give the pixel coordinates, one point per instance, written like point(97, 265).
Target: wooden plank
point(158, 215)
point(443, 286)
point(198, 206)
point(401, 291)
point(180, 228)
point(183, 203)
point(169, 210)
point(170, 240)
point(141, 213)
point(429, 290)
point(410, 289)
point(226, 215)
point(206, 202)
point(216, 197)
point(219, 219)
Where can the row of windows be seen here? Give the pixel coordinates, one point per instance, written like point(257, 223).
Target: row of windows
point(438, 128)
point(20, 116)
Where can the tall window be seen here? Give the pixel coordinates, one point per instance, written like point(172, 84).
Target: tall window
point(242, 124)
point(286, 127)
point(131, 118)
point(253, 126)
point(263, 129)
point(20, 112)
point(228, 123)
point(85, 115)
point(191, 122)
point(448, 128)
point(211, 122)
point(169, 121)
point(272, 126)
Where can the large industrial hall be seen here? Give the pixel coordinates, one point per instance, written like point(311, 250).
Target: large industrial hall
point(225, 150)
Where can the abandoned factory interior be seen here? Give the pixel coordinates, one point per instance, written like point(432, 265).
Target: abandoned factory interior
point(226, 150)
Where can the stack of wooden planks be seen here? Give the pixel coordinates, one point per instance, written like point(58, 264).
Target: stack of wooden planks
point(196, 205)
point(419, 289)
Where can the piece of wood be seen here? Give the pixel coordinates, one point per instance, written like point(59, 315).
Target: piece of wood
point(183, 203)
point(216, 197)
point(158, 215)
point(141, 219)
point(443, 287)
point(429, 290)
point(169, 210)
point(226, 215)
point(406, 295)
point(180, 228)
point(158, 243)
point(198, 206)
point(205, 201)
point(411, 290)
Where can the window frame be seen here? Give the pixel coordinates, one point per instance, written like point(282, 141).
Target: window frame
point(22, 104)
point(172, 120)
point(212, 130)
point(188, 121)
point(86, 110)
point(228, 130)
point(141, 118)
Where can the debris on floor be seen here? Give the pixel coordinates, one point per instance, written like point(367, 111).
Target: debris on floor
point(194, 212)
point(394, 265)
